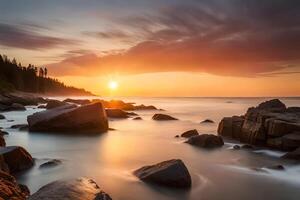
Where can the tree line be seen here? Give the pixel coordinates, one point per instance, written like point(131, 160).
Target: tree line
point(14, 76)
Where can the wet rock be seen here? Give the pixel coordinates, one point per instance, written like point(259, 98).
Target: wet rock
point(294, 155)
point(272, 105)
point(137, 118)
point(247, 146)
point(3, 133)
point(206, 141)
point(276, 167)
point(143, 107)
point(291, 141)
point(51, 163)
point(162, 117)
point(2, 116)
point(171, 173)
point(17, 106)
point(231, 126)
point(2, 140)
point(42, 106)
point(54, 104)
point(177, 136)
point(116, 113)
point(16, 158)
point(207, 121)
point(91, 117)
point(77, 101)
point(190, 133)
point(77, 189)
point(10, 190)
point(20, 126)
point(236, 147)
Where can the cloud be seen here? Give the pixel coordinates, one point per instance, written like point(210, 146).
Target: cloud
point(237, 38)
point(20, 37)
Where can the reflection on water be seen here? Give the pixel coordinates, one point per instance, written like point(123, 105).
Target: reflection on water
point(110, 158)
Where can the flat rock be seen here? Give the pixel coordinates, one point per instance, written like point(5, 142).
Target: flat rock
point(190, 133)
point(162, 117)
point(16, 158)
point(137, 118)
point(91, 117)
point(77, 189)
point(10, 189)
point(116, 113)
point(206, 141)
point(171, 173)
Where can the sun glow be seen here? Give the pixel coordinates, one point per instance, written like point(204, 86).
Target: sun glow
point(113, 85)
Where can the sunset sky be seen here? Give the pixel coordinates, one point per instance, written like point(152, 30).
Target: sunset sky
point(159, 48)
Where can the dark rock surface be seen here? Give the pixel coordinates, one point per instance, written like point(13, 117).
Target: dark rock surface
point(77, 189)
point(2, 116)
point(16, 158)
point(171, 173)
point(137, 118)
point(116, 113)
point(206, 141)
point(20, 126)
point(2, 140)
point(190, 133)
point(162, 117)
point(10, 189)
point(269, 124)
point(54, 104)
point(77, 101)
point(118, 104)
point(294, 155)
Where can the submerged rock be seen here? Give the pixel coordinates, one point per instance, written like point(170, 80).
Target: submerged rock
point(116, 113)
point(77, 189)
point(190, 133)
point(54, 104)
point(10, 189)
point(90, 117)
point(207, 121)
point(236, 147)
point(20, 126)
point(16, 158)
point(51, 163)
point(137, 118)
point(206, 141)
point(2, 116)
point(162, 117)
point(171, 173)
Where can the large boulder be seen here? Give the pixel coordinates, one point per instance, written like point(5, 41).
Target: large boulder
point(91, 117)
point(206, 141)
point(162, 117)
point(16, 158)
point(77, 189)
point(267, 124)
point(171, 173)
point(10, 189)
point(2, 140)
point(190, 133)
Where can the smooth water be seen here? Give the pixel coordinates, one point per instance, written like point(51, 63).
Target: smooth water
point(110, 158)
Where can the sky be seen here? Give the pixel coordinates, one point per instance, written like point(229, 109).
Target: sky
point(159, 47)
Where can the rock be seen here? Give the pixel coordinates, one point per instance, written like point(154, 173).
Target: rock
point(278, 128)
point(171, 173)
point(20, 126)
point(16, 158)
point(294, 155)
point(272, 105)
point(3, 133)
point(207, 121)
point(2, 140)
point(51, 163)
point(78, 189)
point(190, 133)
point(2, 116)
point(137, 118)
point(91, 117)
point(276, 167)
point(143, 107)
point(10, 189)
point(78, 101)
point(231, 126)
point(291, 141)
point(132, 114)
point(236, 147)
point(17, 106)
point(116, 113)
point(162, 117)
point(247, 146)
point(42, 106)
point(54, 104)
point(206, 141)
point(177, 136)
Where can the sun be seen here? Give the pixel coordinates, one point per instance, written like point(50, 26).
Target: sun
point(113, 85)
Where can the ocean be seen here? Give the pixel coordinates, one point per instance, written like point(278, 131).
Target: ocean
point(110, 158)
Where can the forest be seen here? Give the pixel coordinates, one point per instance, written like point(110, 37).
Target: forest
point(15, 77)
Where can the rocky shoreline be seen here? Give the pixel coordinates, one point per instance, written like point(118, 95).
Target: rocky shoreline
point(271, 125)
